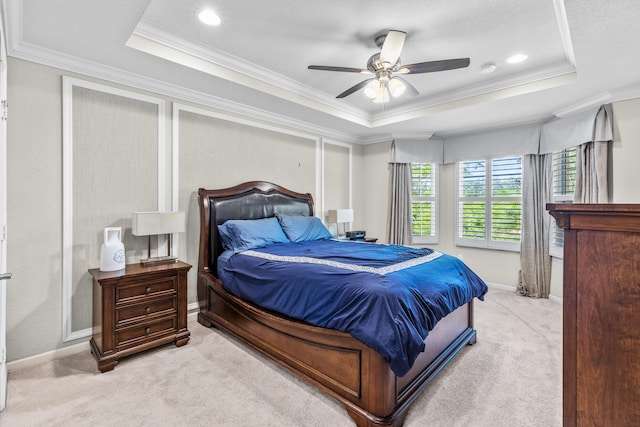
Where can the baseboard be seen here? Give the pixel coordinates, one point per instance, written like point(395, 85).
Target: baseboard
point(38, 359)
point(555, 299)
point(507, 288)
point(501, 287)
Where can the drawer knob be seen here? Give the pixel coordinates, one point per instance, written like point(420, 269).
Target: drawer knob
point(147, 330)
point(148, 290)
point(148, 310)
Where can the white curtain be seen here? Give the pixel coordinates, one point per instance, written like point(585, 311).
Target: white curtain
point(399, 214)
point(592, 160)
point(591, 173)
point(590, 131)
point(535, 261)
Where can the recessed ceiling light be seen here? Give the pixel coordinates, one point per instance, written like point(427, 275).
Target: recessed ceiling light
point(487, 68)
point(209, 17)
point(514, 59)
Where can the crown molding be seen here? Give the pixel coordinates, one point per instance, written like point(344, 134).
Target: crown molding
point(541, 79)
point(583, 105)
point(515, 90)
point(563, 27)
point(83, 67)
point(236, 65)
point(17, 48)
point(623, 94)
point(171, 47)
point(632, 92)
point(422, 136)
point(156, 41)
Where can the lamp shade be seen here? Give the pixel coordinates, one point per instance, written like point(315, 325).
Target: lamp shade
point(382, 95)
point(152, 223)
point(173, 222)
point(340, 216)
point(396, 87)
point(372, 88)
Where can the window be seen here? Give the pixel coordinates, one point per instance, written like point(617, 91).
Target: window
point(564, 185)
point(424, 224)
point(489, 208)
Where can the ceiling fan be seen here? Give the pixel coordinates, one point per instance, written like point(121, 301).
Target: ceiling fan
point(385, 65)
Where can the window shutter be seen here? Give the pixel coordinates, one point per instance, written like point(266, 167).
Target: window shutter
point(506, 192)
point(490, 203)
point(424, 202)
point(564, 183)
point(472, 205)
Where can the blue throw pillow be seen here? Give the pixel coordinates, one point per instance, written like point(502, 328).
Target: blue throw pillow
point(243, 234)
point(299, 228)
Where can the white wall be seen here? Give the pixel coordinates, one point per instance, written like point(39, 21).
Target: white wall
point(228, 150)
point(626, 152)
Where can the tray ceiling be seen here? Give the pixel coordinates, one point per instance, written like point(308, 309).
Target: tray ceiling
point(579, 53)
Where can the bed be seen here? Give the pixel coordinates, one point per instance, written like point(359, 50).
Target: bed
point(376, 390)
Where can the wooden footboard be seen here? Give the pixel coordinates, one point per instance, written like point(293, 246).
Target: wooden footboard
point(334, 361)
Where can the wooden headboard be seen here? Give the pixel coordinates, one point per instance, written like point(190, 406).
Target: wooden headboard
point(250, 200)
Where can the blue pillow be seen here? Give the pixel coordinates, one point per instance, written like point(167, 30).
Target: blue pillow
point(243, 234)
point(299, 228)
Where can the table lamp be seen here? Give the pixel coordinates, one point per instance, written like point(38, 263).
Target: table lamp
point(158, 223)
point(340, 216)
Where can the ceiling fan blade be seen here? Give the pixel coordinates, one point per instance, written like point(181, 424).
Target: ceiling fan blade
point(432, 66)
point(392, 47)
point(343, 69)
point(355, 88)
point(411, 90)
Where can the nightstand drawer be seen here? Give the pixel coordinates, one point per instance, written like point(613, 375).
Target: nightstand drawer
point(137, 312)
point(126, 294)
point(136, 309)
point(142, 332)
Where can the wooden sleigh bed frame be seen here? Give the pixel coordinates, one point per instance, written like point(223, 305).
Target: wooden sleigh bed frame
point(333, 361)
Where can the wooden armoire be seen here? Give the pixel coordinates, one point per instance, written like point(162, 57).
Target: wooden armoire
point(601, 313)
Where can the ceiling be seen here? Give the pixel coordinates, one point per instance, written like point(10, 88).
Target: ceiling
point(580, 53)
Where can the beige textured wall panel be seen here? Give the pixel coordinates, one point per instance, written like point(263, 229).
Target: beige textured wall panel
point(216, 153)
point(336, 179)
point(115, 172)
point(374, 189)
point(34, 190)
point(360, 214)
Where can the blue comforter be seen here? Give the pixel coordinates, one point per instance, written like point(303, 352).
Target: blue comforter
point(387, 296)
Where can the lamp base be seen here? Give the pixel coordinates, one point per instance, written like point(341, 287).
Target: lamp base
point(158, 261)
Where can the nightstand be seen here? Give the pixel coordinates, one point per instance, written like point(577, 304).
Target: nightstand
point(136, 309)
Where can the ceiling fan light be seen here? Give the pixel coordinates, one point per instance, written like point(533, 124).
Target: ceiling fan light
point(382, 95)
point(371, 89)
point(396, 87)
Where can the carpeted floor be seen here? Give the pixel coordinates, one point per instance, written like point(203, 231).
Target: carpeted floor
point(511, 377)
